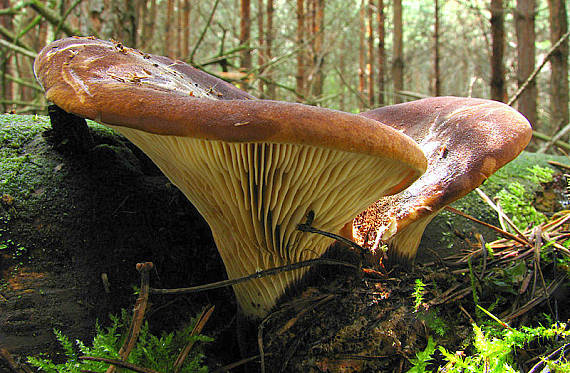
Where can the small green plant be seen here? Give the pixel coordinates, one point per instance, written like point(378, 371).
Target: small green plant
point(418, 294)
point(493, 350)
point(423, 358)
point(153, 352)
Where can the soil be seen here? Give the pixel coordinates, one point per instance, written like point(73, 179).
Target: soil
point(75, 219)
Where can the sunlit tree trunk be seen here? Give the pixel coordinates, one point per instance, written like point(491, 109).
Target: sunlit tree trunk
point(186, 8)
point(300, 76)
point(245, 34)
point(168, 29)
point(370, 65)
point(362, 54)
point(381, 51)
point(261, 42)
point(7, 85)
point(268, 47)
point(318, 57)
point(398, 55)
point(436, 75)
point(524, 20)
point(498, 92)
point(559, 63)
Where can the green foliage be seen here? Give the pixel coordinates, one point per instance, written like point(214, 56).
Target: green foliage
point(418, 294)
point(493, 350)
point(423, 358)
point(158, 353)
point(517, 202)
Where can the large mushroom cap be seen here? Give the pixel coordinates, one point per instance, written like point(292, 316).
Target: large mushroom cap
point(253, 168)
point(465, 141)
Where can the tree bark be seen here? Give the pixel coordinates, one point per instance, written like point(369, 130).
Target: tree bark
point(300, 77)
point(498, 92)
point(186, 8)
point(245, 34)
point(381, 52)
point(169, 30)
point(370, 65)
point(268, 47)
point(559, 64)
point(318, 57)
point(398, 59)
point(436, 75)
point(261, 43)
point(362, 55)
point(524, 20)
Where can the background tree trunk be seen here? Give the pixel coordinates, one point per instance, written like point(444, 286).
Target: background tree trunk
point(524, 22)
point(559, 63)
point(268, 48)
point(398, 55)
point(370, 65)
point(381, 52)
point(169, 30)
point(498, 91)
point(317, 34)
point(300, 77)
point(186, 8)
point(261, 43)
point(362, 55)
point(436, 76)
point(245, 34)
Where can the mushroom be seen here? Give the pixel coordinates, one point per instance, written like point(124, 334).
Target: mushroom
point(465, 141)
point(254, 169)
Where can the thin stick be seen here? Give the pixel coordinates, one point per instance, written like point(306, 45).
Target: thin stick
point(18, 49)
point(554, 138)
point(237, 364)
point(542, 136)
point(200, 323)
point(119, 363)
point(138, 314)
point(496, 229)
point(203, 33)
point(537, 70)
point(253, 276)
point(498, 210)
point(306, 227)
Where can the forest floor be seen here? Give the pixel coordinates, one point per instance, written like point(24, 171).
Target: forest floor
point(73, 225)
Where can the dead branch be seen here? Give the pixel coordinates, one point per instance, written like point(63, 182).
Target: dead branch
point(200, 323)
point(533, 75)
point(53, 18)
point(18, 49)
point(120, 363)
point(253, 276)
point(138, 314)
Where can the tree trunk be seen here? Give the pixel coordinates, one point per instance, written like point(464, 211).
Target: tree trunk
point(398, 59)
point(524, 19)
point(559, 64)
point(362, 55)
point(244, 34)
point(168, 29)
point(436, 75)
point(186, 8)
point(371, 81)
point(381, 52)
point(261, 44)
point(318, 58)
point(268, 48)
point(300, 77)
point(7, 85)
point(498, 92)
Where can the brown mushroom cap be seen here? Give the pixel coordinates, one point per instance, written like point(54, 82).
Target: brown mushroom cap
point(465, 140)
point(253, 168)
